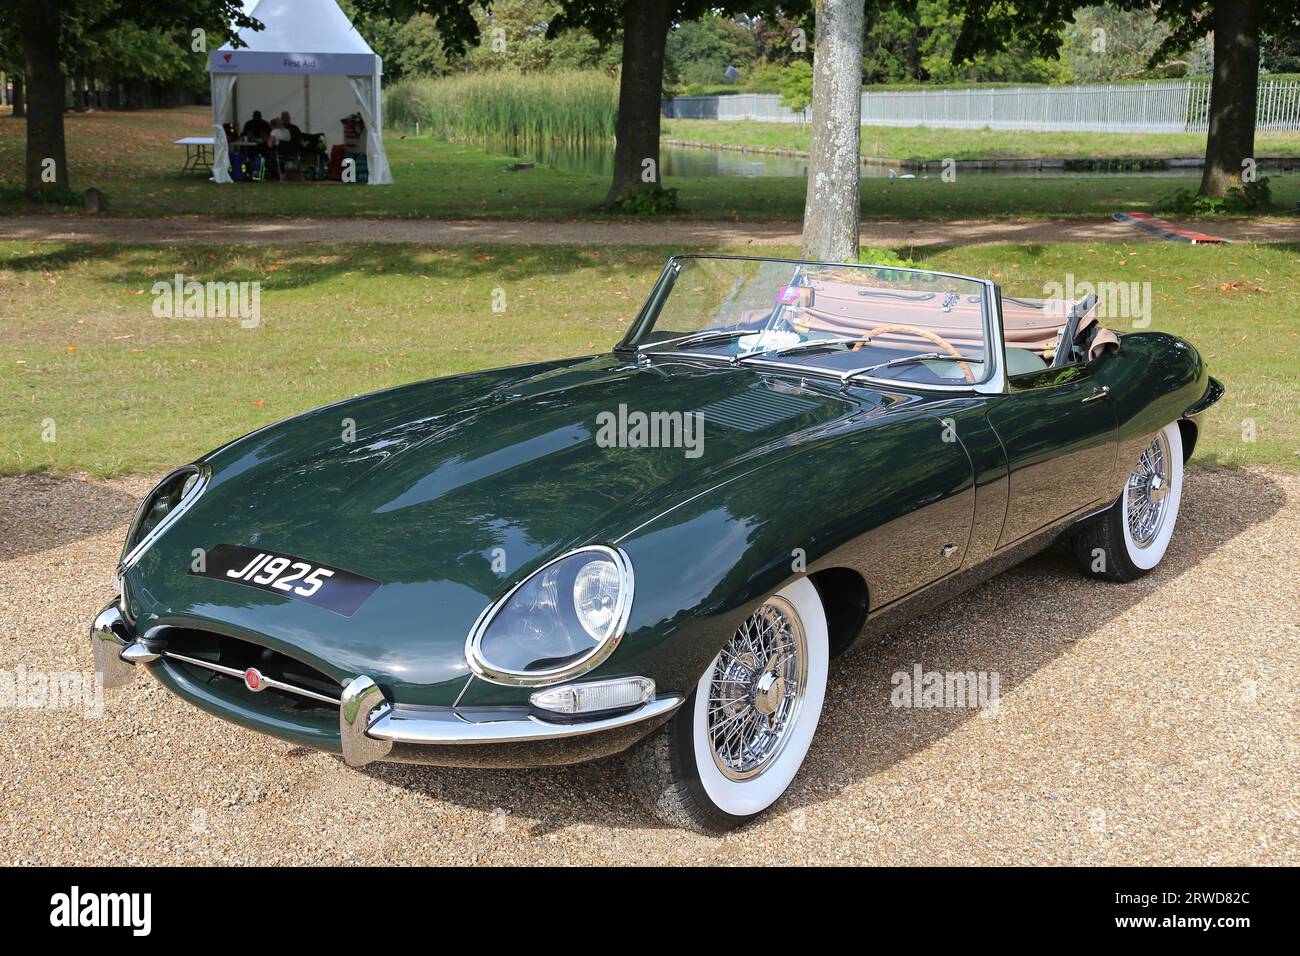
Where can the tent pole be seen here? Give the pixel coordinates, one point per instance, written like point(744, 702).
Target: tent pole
point(379, 118)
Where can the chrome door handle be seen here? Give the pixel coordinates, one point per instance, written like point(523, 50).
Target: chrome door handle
point(1097, 393)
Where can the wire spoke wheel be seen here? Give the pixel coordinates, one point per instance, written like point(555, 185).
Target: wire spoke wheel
point(1148, 488)
point(756, 690)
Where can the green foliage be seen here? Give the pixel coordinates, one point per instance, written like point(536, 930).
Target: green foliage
point(1011, 58)
point(651, 200)
point(515, 35)
point(774, 38)
point(60, 196)
point(1105, 43)
point(796, 84)
point(891, 47)
point(885, 257)
point(410, 48)
point(1279, 54)
point(698, 51)
point(500, 107)
point(1249, 197)
point(764, 77)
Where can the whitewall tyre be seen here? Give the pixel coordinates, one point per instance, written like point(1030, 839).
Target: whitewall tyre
point(1132, 535)
point(738, 741)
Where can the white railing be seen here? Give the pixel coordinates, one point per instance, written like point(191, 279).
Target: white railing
point(1122, 107)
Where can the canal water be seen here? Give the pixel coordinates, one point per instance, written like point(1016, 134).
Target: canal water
point(598, 160)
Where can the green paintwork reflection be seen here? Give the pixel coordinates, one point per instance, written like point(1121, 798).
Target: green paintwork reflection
point(442, 473)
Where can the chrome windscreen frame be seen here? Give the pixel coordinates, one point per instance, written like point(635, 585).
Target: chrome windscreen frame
point(542, 678)
point(133, 553)
point(994, 383)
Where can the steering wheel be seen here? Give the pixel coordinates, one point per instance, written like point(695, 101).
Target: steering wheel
point(926, 334)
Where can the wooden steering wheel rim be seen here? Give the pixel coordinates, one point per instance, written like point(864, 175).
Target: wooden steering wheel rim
point(926, 334)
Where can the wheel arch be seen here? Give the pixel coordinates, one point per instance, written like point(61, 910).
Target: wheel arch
point(1189, 431)
point(845, 598)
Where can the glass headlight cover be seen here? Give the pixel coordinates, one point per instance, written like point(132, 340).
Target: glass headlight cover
point(164, 504)
point(560, 621)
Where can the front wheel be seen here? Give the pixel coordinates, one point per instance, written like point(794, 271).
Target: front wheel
point(1131, 537)
point(737, 742)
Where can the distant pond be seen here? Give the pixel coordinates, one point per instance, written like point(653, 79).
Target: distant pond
point(598, 160)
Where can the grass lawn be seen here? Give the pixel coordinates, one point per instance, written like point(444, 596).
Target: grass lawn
point(923, 143)
point(131, 157)
point(128, 392)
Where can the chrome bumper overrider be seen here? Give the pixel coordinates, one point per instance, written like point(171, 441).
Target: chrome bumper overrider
point(369, 724)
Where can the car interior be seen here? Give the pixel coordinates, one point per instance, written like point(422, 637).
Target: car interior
point(1038, 333)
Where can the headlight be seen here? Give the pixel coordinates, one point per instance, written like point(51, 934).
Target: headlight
point(162, 506)
point(562, 620)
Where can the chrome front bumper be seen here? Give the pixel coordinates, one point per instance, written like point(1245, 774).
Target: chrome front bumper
point(370, 724)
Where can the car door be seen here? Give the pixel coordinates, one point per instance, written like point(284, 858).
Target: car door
point(1057, 428)
point(913, 488)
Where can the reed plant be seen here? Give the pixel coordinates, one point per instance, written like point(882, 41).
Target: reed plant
point(569, 107)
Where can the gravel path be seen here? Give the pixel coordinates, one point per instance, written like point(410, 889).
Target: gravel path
point(1148, 723)
point(670, 233)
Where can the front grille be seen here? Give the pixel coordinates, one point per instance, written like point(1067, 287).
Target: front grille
point(756, 409)
point(222, 661)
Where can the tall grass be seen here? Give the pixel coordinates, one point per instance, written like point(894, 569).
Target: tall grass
point(573, 107)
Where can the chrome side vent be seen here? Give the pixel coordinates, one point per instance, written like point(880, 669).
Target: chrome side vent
point(756, 409)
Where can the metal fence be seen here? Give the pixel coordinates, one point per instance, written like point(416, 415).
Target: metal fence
point(1123, 107)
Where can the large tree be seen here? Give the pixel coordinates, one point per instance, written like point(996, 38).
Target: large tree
point(52, 33)
point(831, 208)
point(1237, 26)
point(645, 25)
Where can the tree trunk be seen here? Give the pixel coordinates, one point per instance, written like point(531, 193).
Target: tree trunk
point(19, 98)
point(1233, 92)
point(831, 210)
point(47, 159)
point(80, 101)
point(636, 130)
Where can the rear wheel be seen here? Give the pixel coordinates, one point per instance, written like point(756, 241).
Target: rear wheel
point(1131, 537)
point(737, 742)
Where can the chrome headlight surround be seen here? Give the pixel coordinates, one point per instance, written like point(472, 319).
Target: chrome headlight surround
point(135, 545)
point(496, 674)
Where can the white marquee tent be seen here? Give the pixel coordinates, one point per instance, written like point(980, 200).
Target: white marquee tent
point(309, 60)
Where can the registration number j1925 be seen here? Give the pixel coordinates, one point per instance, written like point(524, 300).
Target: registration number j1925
point(328, 587)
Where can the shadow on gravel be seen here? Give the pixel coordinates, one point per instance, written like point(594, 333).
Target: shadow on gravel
point(38, 512)
point(1013, 625)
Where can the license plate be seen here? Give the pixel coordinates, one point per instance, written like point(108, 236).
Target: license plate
point(331, 588)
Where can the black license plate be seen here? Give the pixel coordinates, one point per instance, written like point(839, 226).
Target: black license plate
point(331, 588)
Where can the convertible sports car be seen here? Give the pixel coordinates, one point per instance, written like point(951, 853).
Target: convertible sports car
point(656, 550)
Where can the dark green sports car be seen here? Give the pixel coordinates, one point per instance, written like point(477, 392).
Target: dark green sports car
point(655, 550)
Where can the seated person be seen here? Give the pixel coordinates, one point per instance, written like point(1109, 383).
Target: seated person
point(295, 134)
point(277, 135)
point(256, 129)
